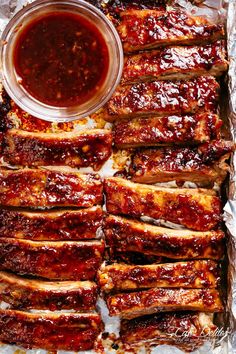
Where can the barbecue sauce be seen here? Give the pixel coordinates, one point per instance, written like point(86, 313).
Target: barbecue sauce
point(61, 59)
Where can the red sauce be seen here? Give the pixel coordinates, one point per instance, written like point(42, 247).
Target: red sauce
point(61, 59)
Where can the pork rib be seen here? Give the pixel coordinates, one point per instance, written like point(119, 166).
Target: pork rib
point(160, 98)
point(50, 331)
point(49, 188)
point(170, 329)
point(177, 62)
point(24, 293)
point(146, 302)
point(192, 274)
point(76, 149)
point(147, 29)
point(197, 209)
point(72, 260)
point(169, 130)
point(71, 224)
point(125, 235)
point(203, 165)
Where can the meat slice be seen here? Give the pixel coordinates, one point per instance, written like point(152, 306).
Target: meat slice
point(147, 29)
point(49, 188)
point(24, 293)
point(125, 235)
point(160, 98)
point(177, 62)
point(197, 209)
point(192, 274)
point(76, 149)
point(146, 302)
point(71, 224)
point(169, 130)
point(50, 331)
point(170, 329)
point(52, 260)
point(203, 165)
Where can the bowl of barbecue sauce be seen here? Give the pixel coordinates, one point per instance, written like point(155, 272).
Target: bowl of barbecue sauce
point(60, 60)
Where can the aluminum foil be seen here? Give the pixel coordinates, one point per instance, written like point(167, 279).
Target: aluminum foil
point(225, 340)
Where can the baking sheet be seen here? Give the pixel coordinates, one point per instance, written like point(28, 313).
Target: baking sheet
point(225, 341)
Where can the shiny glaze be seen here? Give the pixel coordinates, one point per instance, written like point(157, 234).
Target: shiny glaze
point(168, 325)
point(176, 61)
point(135, 304)
point(51, 260)
point(126, 235)
point(193, 274)
point(25, 293)
point(197, 210)
point(169, 130)
point(49, 188)
point(59, 332)
point(91, 148)
point(59, 225)
point(160, 98)
point(196, 164)
point(152, 28)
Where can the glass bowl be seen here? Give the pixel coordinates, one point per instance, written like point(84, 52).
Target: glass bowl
point(11, 82)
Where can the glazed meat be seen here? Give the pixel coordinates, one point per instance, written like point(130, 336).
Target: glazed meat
point(147, 29)
point(50, 331)
point(146, 302)
point(176, 63)
point(160, 98)
point(49, 188)
point(127, 235)
point(203, 165)
point(72, 224)
point(52, 260)
point(26, 293)
point(197, 209)
point(76, 149)
point(169, 130)
point(192, 274)
point(169, 328)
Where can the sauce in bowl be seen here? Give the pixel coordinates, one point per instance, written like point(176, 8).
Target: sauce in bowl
point(61, 59)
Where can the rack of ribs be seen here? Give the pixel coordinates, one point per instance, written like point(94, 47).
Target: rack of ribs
point(49, 188)
point(197, 209)
point(203, 165)
point(147, 29)
point(76, 149)
point(65, 260)
point(177, 62)
point(51, 331)
point(168, 130)
point(169, 328)
point(139, 303)
point(70, 224)
point(191, 274)
point(24, 293)
point(160, 98)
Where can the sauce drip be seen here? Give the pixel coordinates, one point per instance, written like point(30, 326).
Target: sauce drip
point(61, 59)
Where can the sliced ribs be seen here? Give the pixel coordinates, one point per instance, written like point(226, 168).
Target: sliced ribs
point(72, 260)
point(71, 224)
point(49, 188)
point(25, 293)
point(50, 331)
point(197, 209)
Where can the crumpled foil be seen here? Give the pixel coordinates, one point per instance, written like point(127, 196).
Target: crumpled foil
point(225, 343)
